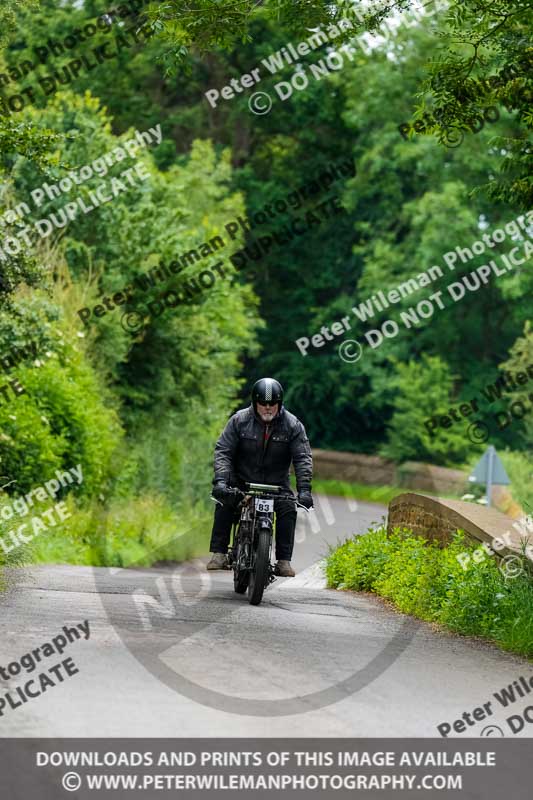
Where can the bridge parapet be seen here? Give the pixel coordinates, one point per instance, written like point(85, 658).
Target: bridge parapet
point(436, 518)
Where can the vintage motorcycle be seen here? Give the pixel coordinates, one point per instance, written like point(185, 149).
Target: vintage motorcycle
point(250, 552)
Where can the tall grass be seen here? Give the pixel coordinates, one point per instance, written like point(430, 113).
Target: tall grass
point(422, 579)
point(130, 532)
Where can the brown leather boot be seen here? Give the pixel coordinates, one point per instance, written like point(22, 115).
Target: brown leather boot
point(218, 561)
point(284, 569)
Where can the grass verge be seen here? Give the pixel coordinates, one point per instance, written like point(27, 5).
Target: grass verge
point(138, 531)
point(427, 581)
point(359, 491)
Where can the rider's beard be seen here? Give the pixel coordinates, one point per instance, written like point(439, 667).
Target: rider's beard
point(268, 414)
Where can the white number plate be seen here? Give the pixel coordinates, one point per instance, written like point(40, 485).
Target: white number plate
point(264, 504)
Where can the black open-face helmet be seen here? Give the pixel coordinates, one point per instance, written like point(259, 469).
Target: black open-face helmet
point(267, 390)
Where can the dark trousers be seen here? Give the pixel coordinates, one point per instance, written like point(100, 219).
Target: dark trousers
point(285, 525)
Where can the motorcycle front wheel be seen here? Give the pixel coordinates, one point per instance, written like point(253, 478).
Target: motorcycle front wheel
point(260, 573)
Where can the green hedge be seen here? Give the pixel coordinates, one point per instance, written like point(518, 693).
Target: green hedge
point(422, 579)
point(64, 419)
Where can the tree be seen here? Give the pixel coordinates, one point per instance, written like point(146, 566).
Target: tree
point(484, 59)
point(521, 360)
point(207, 26)
point(420, 391)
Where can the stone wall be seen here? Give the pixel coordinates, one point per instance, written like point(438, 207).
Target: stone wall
point(377, 471)
point(435, 518)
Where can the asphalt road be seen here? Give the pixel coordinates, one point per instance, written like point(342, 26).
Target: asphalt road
point(173, 651)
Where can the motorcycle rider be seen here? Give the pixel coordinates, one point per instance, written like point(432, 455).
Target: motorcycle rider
point(258, 445)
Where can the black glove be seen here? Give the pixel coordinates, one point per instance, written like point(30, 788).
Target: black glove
point(305, 498)
point(225, 494)
point(221, 491)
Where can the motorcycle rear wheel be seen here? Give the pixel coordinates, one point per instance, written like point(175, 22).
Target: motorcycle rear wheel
point(241, 579)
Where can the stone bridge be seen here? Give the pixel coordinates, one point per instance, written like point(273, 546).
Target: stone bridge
point(436, 518)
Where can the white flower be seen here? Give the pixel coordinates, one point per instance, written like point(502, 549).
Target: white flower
point(81, 335)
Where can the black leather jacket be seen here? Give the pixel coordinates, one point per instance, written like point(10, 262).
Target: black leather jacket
point(240, 453)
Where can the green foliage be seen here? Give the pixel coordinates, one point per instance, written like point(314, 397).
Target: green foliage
point(422, 579)
point(159, 399)
point(208, 26)
point(62, 420)
point(474, 42)
point(481, 59)
point(17, 137)
point(141, 414)
point(8, 15)
point(132, 532)
point(419, 389)
point(66, 416)
point(136, 532)
point(519, 467)
point(358, 563)
point(408, 204)
point(520, 359)
point(359, 491)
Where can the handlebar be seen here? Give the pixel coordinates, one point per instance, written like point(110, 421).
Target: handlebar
point(260, 490)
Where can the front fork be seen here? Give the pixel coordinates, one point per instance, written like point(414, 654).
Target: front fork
point(266, 522)
point(260, 522)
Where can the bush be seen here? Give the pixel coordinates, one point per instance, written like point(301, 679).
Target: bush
point(358, 563)
point(65, 417)
point(132, 532)
point(519, 467)
point(423, 579)
point(61, 421)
